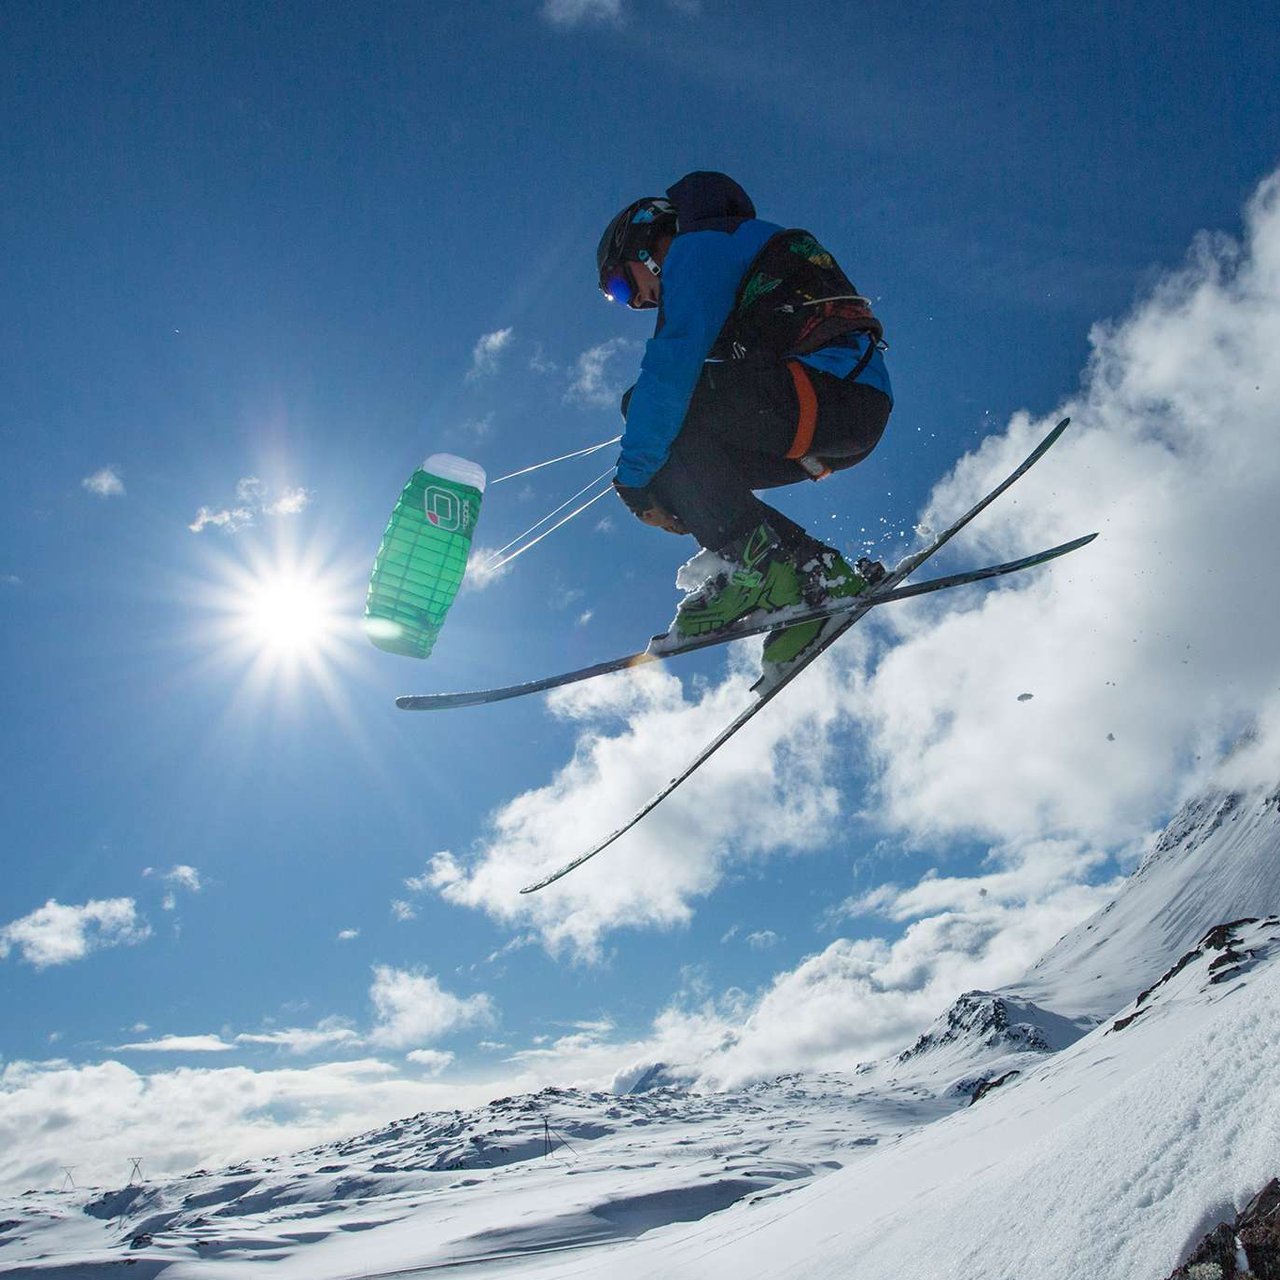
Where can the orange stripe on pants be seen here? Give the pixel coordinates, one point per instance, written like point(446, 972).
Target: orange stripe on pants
point(808, 399)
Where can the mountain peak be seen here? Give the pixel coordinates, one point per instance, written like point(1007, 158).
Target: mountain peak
point(1217, 860)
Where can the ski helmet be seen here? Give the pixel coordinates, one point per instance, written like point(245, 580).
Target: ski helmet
point(631, 237)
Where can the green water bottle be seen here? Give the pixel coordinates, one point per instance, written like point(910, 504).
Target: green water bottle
point(423, 555)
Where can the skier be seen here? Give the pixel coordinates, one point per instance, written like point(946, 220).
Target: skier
point(765, 368)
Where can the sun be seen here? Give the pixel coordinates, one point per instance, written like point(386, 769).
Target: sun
point(289, 612)
point(281, 615)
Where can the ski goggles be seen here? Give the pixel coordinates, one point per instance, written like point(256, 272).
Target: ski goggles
point(615, 284)
point(618, 284)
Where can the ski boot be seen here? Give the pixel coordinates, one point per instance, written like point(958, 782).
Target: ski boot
point(872, 570)
point(825, 577)
point(760, 576)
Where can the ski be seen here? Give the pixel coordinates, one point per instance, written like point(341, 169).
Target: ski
point(861, 606)
point(633, 661)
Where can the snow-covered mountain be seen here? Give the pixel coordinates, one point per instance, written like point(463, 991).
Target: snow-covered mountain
point(1218, 860)
point(1096, 1118)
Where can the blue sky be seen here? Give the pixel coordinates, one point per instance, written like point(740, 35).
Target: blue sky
point(253, 254)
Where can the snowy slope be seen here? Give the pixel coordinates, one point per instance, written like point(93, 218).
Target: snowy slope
point(1024, 1133)
point(443, 1188)
point(477, 1186)
point(1218, 860)
point(1109, 1160)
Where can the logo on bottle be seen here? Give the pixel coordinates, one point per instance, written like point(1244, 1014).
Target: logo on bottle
point(446, 510)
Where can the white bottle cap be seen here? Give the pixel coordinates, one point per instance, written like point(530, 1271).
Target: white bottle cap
point(460, 470)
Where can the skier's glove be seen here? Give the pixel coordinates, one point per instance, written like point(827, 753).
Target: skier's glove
point(645, 507)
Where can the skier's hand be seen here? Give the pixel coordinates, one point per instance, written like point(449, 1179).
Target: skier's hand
point(646, 508)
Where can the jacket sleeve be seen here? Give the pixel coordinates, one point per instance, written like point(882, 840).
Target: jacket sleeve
point(699, 282)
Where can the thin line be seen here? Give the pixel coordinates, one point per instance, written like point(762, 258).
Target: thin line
point(489, 565)
point(537, 466)
point(591, 484)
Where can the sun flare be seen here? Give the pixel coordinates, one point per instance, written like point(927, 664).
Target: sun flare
point(287, 612)
point(285, 617)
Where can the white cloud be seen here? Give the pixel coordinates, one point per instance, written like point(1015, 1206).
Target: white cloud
point(417, 884)
point(253, 499)
point(539, 363)
point(228, 519)
point(348, 935)
point(479, 428)
point(97, 1116)
point(576, 13)
point(434, 1060)
point(177, 1044)
point(485, 354)
point(290, 502)
point(1151, 647)
point(484, 568)
point(770, 791)
point(57, 934)
point(330, 1033)
point(413, 1009)
point(590, 384)
point(762, 940)
point(185, 877)
point(402, 910)
point(105, 483)
point(180, 876)
point(858, 1000)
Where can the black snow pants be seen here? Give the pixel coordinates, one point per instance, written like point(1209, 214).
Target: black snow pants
point(747, 427)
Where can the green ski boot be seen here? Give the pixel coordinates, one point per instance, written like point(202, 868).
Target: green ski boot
point(764, 578)
point(824, 578)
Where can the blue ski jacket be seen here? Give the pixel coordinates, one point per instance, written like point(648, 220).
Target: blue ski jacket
point(718, 238)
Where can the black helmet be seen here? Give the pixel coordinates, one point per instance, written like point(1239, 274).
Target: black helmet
point(630, 237)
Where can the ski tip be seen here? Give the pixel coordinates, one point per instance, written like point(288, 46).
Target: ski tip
point(1058, 429)
point(1076, 543)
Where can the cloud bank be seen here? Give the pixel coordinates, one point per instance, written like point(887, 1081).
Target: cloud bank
point(1152, 648)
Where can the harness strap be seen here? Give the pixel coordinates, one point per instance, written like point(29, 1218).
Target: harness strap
point(873, 345)
point(808, 420)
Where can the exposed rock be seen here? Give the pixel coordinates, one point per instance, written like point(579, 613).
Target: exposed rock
point(1225, 953)
point(1248, 1249)
point(986, 1086)
point(979, 1017)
